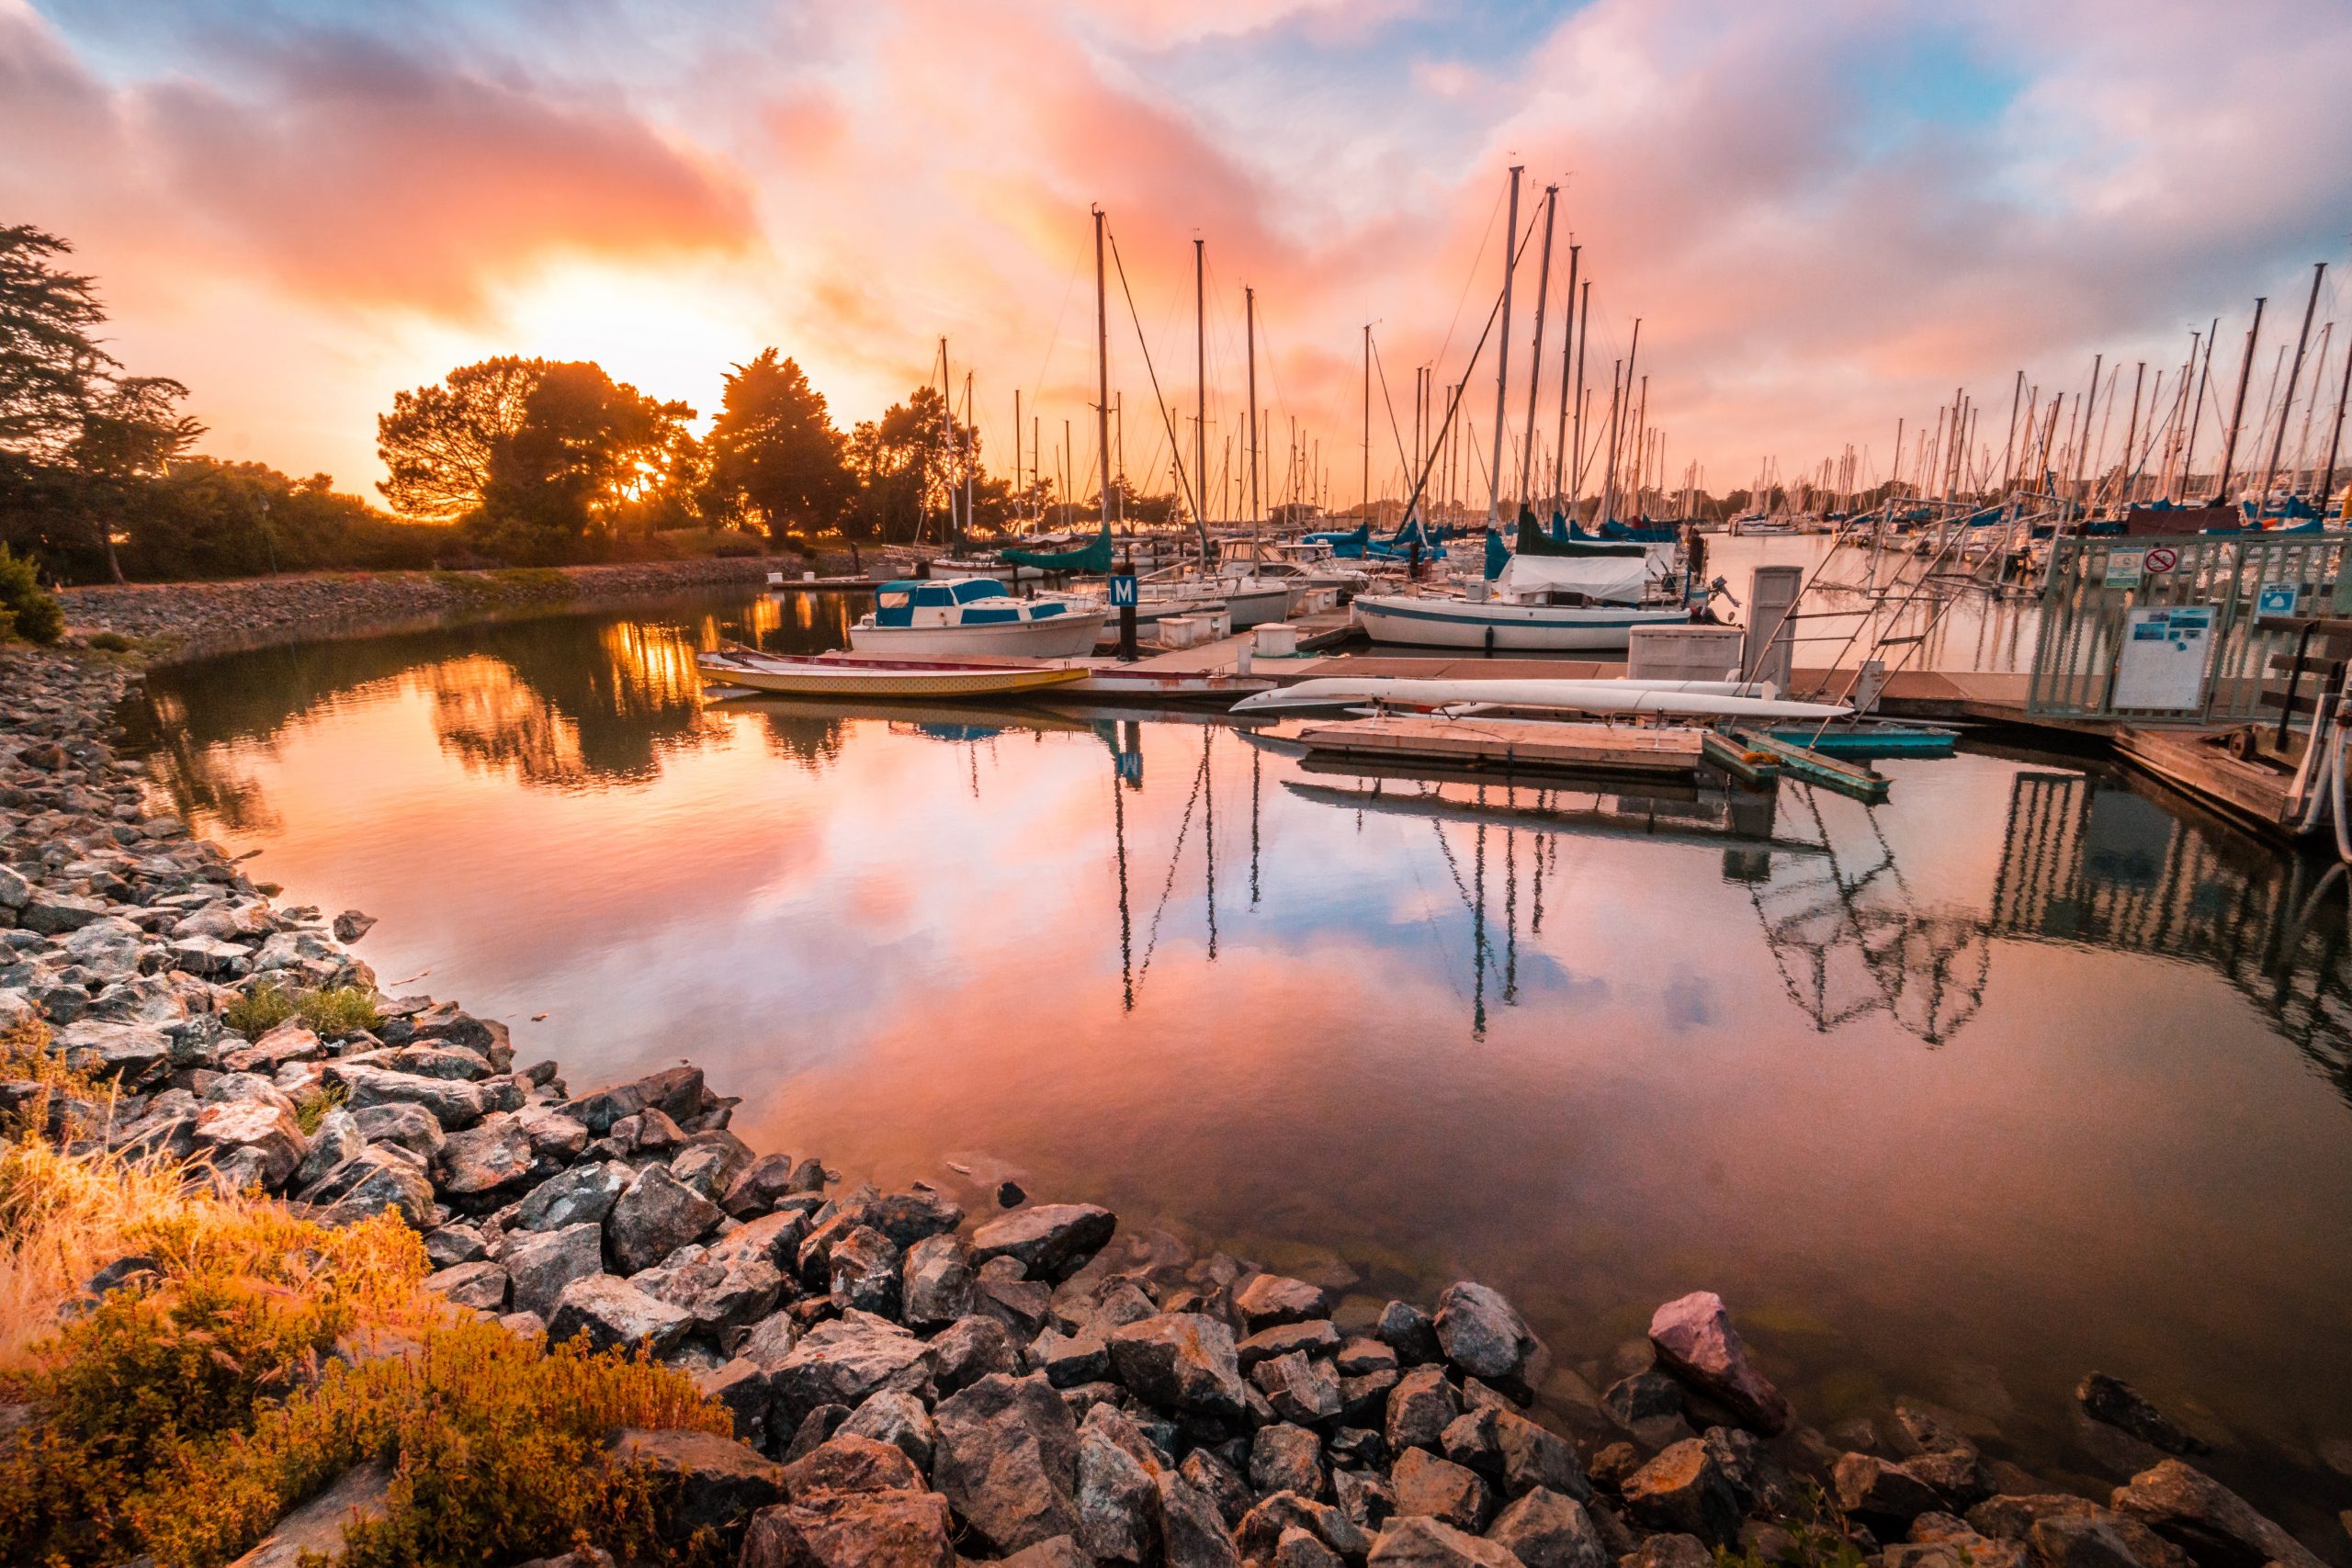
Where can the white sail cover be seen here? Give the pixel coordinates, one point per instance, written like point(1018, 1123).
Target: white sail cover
point(1614, 579)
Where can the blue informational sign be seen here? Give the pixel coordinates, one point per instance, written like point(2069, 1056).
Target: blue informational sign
point(2277, 599)
point(1123, 592)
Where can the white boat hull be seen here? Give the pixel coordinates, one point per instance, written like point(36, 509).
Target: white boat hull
point(1457, 623)
point(1059, 637)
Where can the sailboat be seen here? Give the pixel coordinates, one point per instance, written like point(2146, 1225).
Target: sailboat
point(1584, 603)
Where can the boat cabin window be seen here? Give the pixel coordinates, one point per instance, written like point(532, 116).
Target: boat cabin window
point(934, 596)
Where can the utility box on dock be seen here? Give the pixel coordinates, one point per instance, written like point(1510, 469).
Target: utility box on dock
point(1683, 653)
point(1770, 651)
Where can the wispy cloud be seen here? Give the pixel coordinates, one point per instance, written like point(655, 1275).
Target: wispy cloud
point(1825, 215)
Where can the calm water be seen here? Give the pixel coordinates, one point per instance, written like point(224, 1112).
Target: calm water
point(2026, 1074)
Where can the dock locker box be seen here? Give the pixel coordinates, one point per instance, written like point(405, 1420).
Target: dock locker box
point(1683, 653)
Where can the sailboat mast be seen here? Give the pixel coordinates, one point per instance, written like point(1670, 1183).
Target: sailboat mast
point(2238, 411)
point(1249, 314)
point(1535, 355)
point(1560, 441)
point(1503, 354)
point(1103, 370)
point(2279, 441)
point(1584, 335)
point(1201, 393)
point(1367, 422)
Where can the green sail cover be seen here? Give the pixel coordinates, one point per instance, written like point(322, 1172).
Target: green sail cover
point(1094, 556)
point(1534, 541)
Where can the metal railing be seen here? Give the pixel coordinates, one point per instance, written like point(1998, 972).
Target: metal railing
point(2093, 584)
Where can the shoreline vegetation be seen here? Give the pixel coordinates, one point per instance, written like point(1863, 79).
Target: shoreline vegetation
point(296, 1271)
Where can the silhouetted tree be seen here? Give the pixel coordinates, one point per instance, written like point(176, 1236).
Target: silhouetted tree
point(774, 452)
point(532, 455)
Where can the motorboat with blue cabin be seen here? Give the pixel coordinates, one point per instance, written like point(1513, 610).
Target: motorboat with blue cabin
point(974, 616)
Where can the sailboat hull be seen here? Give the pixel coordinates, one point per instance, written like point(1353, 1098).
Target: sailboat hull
point(1456, 623)
point(1059, 637)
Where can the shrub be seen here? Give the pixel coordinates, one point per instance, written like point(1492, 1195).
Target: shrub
point(499, 1444)
point(259, 1010)
point(108, 642)
point(26, 610)
point(338, 1010)
point(247, 1300)
point(309, 1112)
point(180, 1416)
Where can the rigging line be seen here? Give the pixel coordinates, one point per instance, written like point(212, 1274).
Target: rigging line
point(1470, 278)
point(1158, 400)
point(1453, 405)
point(1184, 826)
point(1061, 314)
point(1389, 400)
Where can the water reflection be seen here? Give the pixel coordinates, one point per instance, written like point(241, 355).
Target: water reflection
point(1959, 1096)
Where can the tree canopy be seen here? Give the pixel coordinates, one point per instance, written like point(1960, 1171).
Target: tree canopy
point(775, 455)
point(532, 455)
point(76, 433)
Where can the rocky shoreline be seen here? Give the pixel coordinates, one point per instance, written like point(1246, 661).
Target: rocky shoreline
point(181, 621)
point(912, 1384)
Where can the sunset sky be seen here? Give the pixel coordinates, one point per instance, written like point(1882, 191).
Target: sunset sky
point(1829, 215)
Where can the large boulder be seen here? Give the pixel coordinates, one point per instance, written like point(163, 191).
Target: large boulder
point(370, 1182)
point(542, 1263)
point(1007, 1460)
point(2118, 1405)
point(1883, 1492)
point(482, 1285)
point(1694, 1339)
point(1544, 1530)
point(1483, 1336)
point(701, 1481)
point(1683, 1490)
point(584, 1195)
point(936, 1284)
point(1421, 1407)
point(266, 1134)
point(1419, 1541)
point(1440, 1489)
point(495, 1154)
point(129, 1051)
point(1193, 1532)
point(2208, 1520)
point(613, 1313)
point(675, 1091)
point(1268, 1301)
point(1118, 1491)
point(656, 1216)
point(1050, 1241)
point(1181, 1361)
point(2067, 1531)
point(454, 1102)
point(843, 1362)
point(877, 1529)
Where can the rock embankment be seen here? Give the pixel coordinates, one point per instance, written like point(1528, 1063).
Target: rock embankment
point(914, 1385)
point(192, 620)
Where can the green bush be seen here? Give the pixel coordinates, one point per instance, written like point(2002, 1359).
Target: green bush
point(249, 1302)
point(500, 1444)
point(259, 1010)
point(26, 609)
point(337, 1011)
point(108, 642)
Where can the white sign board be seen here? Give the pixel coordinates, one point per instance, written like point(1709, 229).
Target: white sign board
point(2125, 568)
point(2162, 666)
